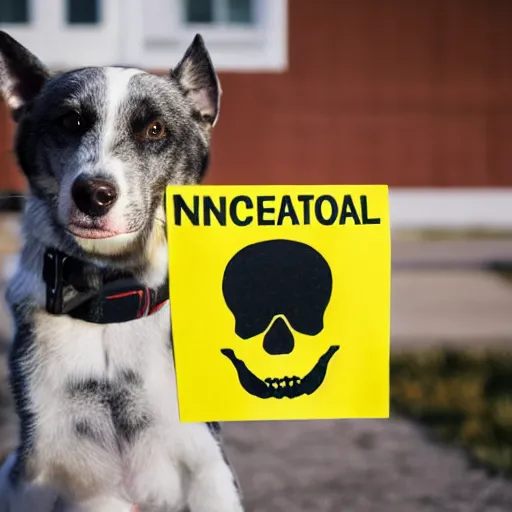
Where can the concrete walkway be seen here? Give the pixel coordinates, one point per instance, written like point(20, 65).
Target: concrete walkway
point(367, 465)
point(357, 466)
point(431, 307)
point(447, 253)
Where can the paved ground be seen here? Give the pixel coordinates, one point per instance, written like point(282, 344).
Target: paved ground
point(459, 252)
point(450, 307)
point(367, 465)
point(357, 466)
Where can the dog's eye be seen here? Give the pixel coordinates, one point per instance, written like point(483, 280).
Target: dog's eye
point(153, 131)
point(73, 122)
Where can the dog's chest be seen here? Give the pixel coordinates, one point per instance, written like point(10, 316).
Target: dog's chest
point(104, 399)
point(105, 368)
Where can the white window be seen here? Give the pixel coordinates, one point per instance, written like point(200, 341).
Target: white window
point(241, 35)
point(65, 33)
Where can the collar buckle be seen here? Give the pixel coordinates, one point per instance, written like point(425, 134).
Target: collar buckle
point(52, 276)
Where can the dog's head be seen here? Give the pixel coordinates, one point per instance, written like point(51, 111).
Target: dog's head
point(99, 145)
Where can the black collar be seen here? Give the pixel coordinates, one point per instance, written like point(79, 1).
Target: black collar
point(101, 296)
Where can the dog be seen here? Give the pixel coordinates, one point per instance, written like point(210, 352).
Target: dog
point(91, 363)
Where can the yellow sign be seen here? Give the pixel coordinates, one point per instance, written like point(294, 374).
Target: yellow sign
point(280, 301)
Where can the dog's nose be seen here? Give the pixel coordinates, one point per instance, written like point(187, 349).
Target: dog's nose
point(94, 197)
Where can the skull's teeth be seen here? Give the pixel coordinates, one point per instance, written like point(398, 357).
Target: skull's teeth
point(286, 382)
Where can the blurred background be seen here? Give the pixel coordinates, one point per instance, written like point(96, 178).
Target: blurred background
point(413, 94)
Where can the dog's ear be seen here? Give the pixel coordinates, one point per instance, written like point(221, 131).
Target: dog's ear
point(22, 75)
point(198, 79)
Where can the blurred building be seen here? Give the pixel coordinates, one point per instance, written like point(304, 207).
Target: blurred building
point(415, 94)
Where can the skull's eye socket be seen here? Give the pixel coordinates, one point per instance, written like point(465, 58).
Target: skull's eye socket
point(154, 130)
point(73, 122)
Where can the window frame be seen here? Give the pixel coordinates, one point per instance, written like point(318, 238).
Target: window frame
point(232, 48)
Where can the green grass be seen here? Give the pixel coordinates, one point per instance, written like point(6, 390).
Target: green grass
point(465, 397)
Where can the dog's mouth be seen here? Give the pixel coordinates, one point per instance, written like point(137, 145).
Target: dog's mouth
point(92, 232)
point(287, 387)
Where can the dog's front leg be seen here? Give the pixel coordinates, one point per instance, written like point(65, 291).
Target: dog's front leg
point(213, 489)
point(213, 486)
point(100, 504)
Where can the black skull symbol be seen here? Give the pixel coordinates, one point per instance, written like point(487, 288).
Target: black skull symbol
point(269, 280)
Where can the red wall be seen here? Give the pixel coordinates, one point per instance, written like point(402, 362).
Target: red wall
point(409, 93)
point(10, 178)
